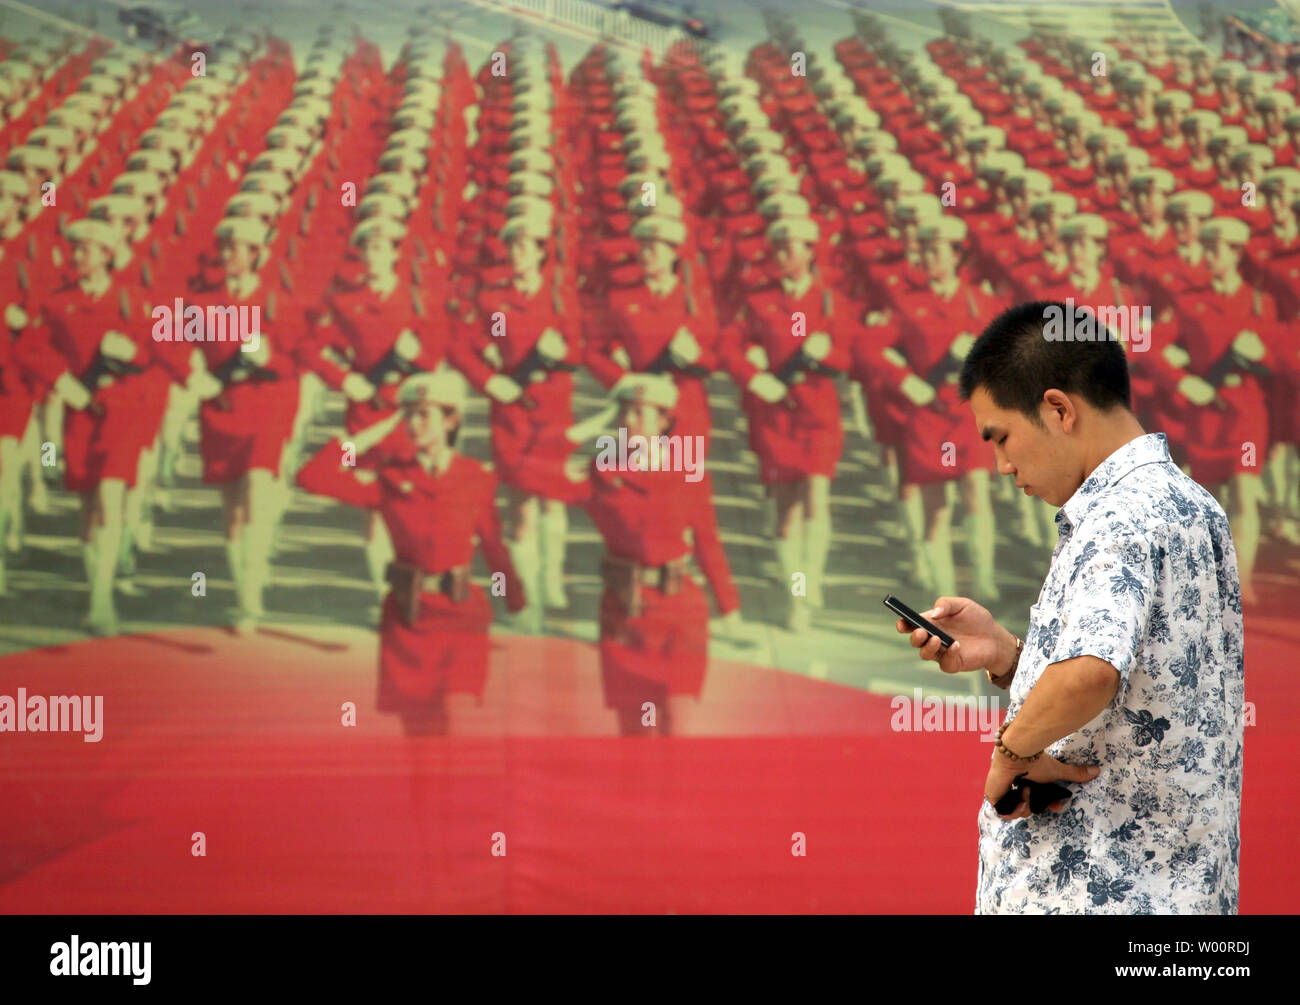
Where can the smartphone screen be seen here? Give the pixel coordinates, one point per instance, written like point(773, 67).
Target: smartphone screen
point(915, 620)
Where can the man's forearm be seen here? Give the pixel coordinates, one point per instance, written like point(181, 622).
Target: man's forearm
point(1068, 696)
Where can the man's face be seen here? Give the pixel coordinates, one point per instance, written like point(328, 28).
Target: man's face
point(641, 418)
point(1038, 458)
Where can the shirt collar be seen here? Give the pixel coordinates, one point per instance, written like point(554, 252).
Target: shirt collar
point(1149, 449)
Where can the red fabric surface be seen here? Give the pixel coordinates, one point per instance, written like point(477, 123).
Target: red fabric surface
point(241, 739)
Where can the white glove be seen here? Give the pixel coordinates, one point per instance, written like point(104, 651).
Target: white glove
point(72, 391)
point(1176, 356)
point(357, 388)
point(15, 317)
point(620, 356)
point(493, 356)
point(1196, 390)
point(961, 345)
point(767, 387)
point(1247, 345)
point(918, 391)
point(204, 385)
point(503, 389)
point(757, 357)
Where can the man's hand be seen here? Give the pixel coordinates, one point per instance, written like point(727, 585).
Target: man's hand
point(1003, 771)
point(979, 642)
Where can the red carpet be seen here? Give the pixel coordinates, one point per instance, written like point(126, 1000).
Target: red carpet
point(241, 740)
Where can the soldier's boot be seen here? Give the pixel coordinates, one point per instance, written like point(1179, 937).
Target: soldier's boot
point(235, 556)
point(101, 619)
point(278, 499)
point(257, 573)
point(4, 579)
point(792, 563)
point(980, 544)
point(816, 545)
point(126, 564)
point(1027, 520)
point(379, 552)
point(553, 545)
point(938, 551)
point(912, 511)
point(527, 561)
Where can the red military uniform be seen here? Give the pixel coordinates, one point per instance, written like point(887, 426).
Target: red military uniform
point(358, 329)
point(928, 326)
point(645, 518)
point(248, 424)
point(529, 450)
point(433, 520)
point(1209, 322)
point(801, 435)
point(104, 440)
point(643, 324)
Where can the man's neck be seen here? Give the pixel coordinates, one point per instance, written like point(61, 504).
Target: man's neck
point(1112, 435)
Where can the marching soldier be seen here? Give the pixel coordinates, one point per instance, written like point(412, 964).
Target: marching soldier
point(665, 325)
point(92, 348)
point(784, 350)
point(435, 503)
point(520, 345)
point(1219, 368)
point(938, 329)
point(249, 395)
point(371, 332)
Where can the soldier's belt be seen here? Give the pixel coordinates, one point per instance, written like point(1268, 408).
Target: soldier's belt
point(625, 578)
point(409, 582)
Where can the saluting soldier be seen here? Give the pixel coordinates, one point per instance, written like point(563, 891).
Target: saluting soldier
point(437, 505)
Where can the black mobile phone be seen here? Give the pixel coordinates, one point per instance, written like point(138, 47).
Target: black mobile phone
point(916, 621)
point(1041, 796)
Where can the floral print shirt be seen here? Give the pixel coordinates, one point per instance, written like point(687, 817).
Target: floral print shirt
point(1144, 576)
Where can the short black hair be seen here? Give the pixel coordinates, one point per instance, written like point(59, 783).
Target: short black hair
point(1016, 363)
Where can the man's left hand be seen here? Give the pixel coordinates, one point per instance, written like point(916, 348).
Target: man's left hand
point(1003, 770)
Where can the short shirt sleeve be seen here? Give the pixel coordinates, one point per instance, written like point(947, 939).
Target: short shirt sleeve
point(1108, 600)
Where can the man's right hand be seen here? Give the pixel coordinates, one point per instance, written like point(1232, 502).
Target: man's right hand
point(979, 642)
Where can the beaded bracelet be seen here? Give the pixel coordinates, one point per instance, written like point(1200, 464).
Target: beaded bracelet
point(1000, 747)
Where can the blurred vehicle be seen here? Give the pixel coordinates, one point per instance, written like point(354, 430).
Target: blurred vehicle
point(164, 26)
point(667, 14)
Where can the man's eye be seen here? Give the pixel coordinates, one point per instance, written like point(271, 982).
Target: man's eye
point(1002, 441)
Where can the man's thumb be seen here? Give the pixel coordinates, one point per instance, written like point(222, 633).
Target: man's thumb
point(1081, 772)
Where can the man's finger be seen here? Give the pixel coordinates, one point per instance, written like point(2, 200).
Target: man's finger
point(1079, 772)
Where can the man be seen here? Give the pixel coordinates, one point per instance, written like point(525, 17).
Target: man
point(1130, 678)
